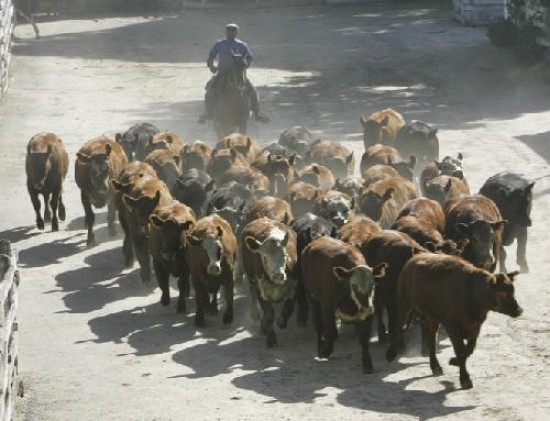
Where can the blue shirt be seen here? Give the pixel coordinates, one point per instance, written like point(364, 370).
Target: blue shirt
point(222, 51)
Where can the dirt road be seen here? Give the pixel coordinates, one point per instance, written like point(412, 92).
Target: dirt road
point(94, 342)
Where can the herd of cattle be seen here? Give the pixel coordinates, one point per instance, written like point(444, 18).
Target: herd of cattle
point(404, 242)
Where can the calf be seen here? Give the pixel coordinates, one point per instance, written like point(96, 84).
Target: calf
point(448, 166)
point(429, 286)
point(308, 227)
point(167, 241)
point(46, 166)
point(278, 149)
point(269, 262)
point(296, 139)
point(195, 155)
point(248, 147)
point(98, 160)
point(383, 199)
point(340, 285)
point(333, 155)
point(350, 185)
point(335, 206)
point(223, 159)
point(513, 195)
point(317, 175)
point(477, 219)
point(279, 169)
point(394, 248)
point(420, 139)
point(164, 140)
point(378, 172)
point(194, 188)
point(250, 177)
point(358, 231)
point(446, 189)
point(135, 170)
point(166, 164)
point(301, 197)
point(229, 202)
point(211, 257)
point(381, 127)
point(134, 140)
point(140, 201)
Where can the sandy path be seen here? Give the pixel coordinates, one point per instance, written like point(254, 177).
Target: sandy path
point(94, 342)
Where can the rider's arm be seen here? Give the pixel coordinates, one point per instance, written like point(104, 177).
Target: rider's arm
point(212, 55)
point(248, 54)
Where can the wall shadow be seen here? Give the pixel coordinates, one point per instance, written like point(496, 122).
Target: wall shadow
point(539, 143)
point(20, 233)
point(51, 252)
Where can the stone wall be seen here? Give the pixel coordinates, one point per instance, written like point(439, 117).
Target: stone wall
point(479, 12)
point(7, 22)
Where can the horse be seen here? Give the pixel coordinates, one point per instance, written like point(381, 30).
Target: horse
point(231, 105)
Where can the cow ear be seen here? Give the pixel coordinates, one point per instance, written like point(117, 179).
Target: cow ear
point(210, 185)
point(252, 244)
point(362, 121)
point(341, 273)
point(194, 241)
point(530, 187)
point(150, 142)
point(352, 203)
point(270, 158)
point(385, 121)
point(389, 161)
point(430, 246)
point(285, 239)
point(107, 150)
point(463, 228)
point(315, 195)
point(186, 225)
point(83, 157)
point(49, 150)
point(169, 138)
point(437, 164)
point(512, 275)
point(233, 154)
point(349, 159)
point(499, 224)
point(337, 184)
point(129, 202)
point(286, 219)
point(214, 153)
point(433, 132)
point(334, 232)
point(156, 221)
point(220, 231)
point(292, 159)
point(176, 159)
point(118, 137)
point(412, 162)
point(248, 143)
point(315, 169)
point(388, 194)
point(379, 271)
point(156, 199)
point(449, 185)
point(460, 157)
point(117, 185)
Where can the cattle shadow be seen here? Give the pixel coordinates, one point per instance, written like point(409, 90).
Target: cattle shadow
point(103, 281)
point(51, 252)
point(18, 234)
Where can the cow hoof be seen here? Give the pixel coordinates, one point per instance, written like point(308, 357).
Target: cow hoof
point(281, 322)
point(182, 307)
point(453, 361)
point(466, 383)
point(271, 340)
point(165, 301)
point(47, 217)
point(227, 318)
point(90, 242)
point(437, 370)
point(524, 268)
point(61, 212)
point(391, 353)
point(368, 369)
point(128, 263)
point(40, 224)
point(382, 338)
point(55, 226)
point(145, 276)
point(213, 310)
point(199, 321)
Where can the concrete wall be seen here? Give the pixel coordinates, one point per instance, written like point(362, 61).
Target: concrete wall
point(7, 22)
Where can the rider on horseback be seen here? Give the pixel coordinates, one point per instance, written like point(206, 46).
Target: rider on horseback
point(224, 50)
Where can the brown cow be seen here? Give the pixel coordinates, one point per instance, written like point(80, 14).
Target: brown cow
point(446, 189)
point(358, 231)
point(195, 155)
point(449, 291)
point(340, 285)
point(167, 240)
point(250, 177)
point(278, 168)
point(394, 248)
point(245, 145)
point(335, 206)
point(378, 172)
point(381, 127)
point(269, 262)
point(477, 219)
point(269, 207)
point(383, 199)
point(98, 160)
point(139, 202)
point(164, 140)
point(333, 155)
point(46, 166)
point(166, 164)
point(211, 257)
point(223, 159)
point(350, 185)
point(448, 166)
point(135, 170)
point(301, 197)
point(317, 175)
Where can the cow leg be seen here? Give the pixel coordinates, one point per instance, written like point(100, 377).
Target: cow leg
point(228, 294)
point(318, 323)
point(61, 208)
point(163, 279)
point(381, 327)
point(470, 346)
point(213, 304)
point(183, 287)
point(111, 216)
point(461, 356)
point(254, 310)
point(286, 312)
point(36, 205)
point(303, 305)
point(522, 249)
point(268, 320)
point(90, 219)
point(141, 249)
point(330, 331)
point(502, 259)
point(127, 249)
point(430, 330)
point(54, 203)
point(203, 302)
point(364, 331)
point(47, 210)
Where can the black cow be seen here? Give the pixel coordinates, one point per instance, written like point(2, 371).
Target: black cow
point(512, 193)
point(229, 202)
point(420, 139)
point(135, 140)
point(193, 188)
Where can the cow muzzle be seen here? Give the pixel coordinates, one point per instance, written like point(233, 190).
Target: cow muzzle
point(279, 278)
point(214, 270)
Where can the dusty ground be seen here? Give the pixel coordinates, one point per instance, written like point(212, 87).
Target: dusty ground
point(94, 342)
